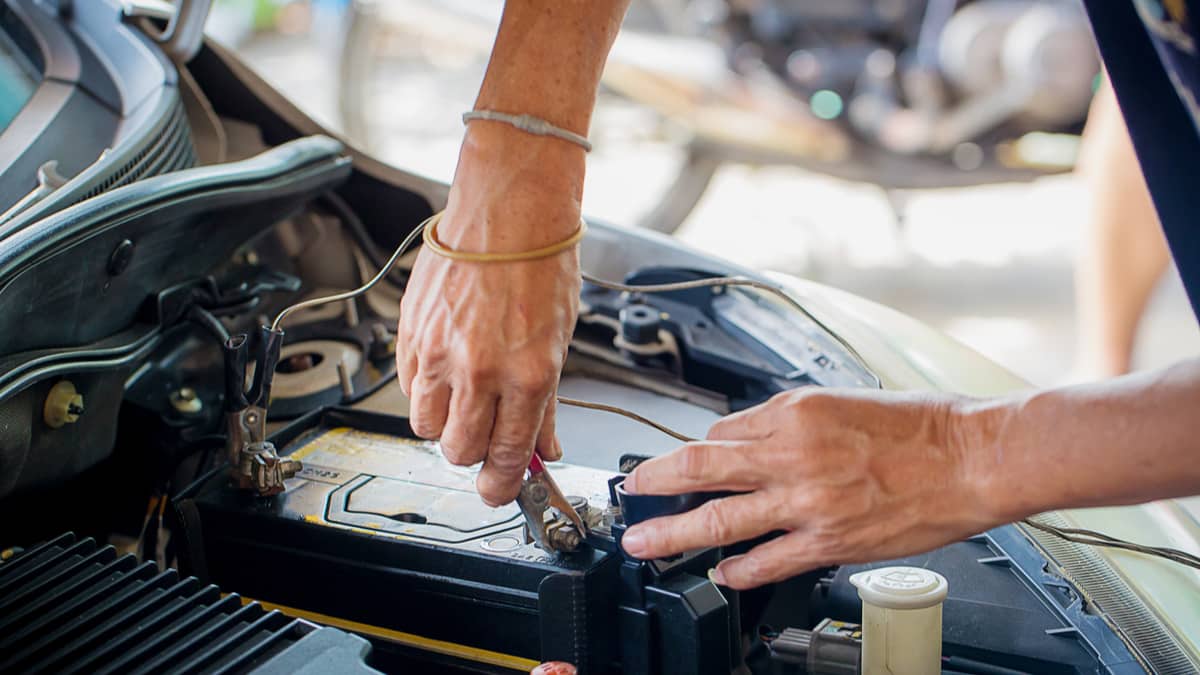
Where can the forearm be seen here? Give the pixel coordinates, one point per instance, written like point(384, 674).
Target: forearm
point(1127, 440)
point(546, 62)
point(480, 347)
point(548, 58)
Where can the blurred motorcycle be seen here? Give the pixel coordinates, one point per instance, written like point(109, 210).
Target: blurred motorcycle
point(901, 93)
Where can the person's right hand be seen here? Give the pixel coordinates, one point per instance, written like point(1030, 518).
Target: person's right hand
point(481, 345)
point(847, 475)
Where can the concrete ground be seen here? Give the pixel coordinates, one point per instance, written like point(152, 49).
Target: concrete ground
point(991, 265)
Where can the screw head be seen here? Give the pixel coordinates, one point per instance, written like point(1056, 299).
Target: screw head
point(121, 256)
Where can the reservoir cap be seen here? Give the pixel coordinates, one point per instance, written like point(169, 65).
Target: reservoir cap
point(900, 587)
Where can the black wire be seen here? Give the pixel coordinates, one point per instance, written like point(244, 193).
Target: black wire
point(358, 231)
point(212, 324)
point(1094, 538)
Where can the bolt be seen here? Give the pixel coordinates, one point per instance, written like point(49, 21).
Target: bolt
point(186, 401)
point(565, 539)
point(383, 345)
point(538, 493)
point(345, 379)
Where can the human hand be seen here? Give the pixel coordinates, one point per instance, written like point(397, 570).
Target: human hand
point(481, 345)
point(848, 476)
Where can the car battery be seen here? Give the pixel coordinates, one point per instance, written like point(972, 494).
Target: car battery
point(380, 535)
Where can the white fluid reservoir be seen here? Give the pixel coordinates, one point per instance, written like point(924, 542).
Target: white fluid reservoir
point(901, 620)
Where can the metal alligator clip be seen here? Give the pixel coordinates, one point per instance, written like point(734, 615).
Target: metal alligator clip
point(565, 530)
point(254, 463)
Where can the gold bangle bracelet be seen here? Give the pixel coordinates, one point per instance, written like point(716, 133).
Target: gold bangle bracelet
point(432, 243)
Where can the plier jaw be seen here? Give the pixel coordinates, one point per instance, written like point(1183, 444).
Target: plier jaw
point(254, 463)
point(564, 532)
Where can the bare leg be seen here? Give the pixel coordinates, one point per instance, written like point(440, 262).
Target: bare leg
point(1123, 254)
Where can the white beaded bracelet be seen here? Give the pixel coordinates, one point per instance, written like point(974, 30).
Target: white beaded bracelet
point(529, 124)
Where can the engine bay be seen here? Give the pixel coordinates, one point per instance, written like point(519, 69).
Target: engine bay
point(117, 316)
point(376, 534)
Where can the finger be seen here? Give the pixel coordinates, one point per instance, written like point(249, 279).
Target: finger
point(518, 419)
point(429, 407)
point(749, 424)
point(468, 425)
point(715, 523)
point(773, 561)
point(548, 447)
point(702, 465)
point(406, 365)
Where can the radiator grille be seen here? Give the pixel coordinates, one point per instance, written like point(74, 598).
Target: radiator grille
point(71, 606)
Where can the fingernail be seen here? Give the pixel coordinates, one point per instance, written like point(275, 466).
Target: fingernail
point(715, 576)
point(634, 542)
point(630, 483)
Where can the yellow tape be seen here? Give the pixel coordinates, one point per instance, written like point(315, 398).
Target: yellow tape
point(475, 654)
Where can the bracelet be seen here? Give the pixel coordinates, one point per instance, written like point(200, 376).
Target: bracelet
point(431, 242)
point(529, 124)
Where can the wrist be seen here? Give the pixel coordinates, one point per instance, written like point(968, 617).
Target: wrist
point(977, 432)
point(504, 154)
point(512, 192)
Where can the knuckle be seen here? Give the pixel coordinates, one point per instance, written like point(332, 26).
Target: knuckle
point(533, 382)
point(694, 462)
point(421, 425)
point(509, 457)
point(480, 370)
point(830, 542)
point(460, 451)
point(813, 401)
point(798, 504)
point(756, 569)
point(497, 492)
point(719, 430)
point(434, 359)
point(715, 521)
point(454, 455)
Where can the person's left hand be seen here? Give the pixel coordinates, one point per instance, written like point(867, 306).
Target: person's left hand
point(847, 476)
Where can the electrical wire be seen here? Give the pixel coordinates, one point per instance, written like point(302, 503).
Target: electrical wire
point(1078, 536)
point(626, 413)
point(209, 322)
point(348, 216)
point(1094, 538)
point(347, 295)
point(355, 227)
